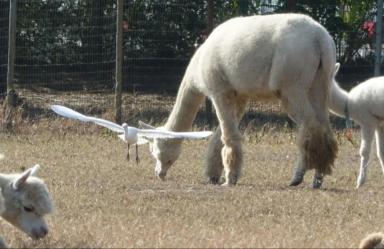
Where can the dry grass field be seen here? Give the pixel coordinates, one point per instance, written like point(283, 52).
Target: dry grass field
point(102, 200)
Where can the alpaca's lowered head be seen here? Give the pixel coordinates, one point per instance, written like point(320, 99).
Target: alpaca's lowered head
point(165, 151)
point(27, 201)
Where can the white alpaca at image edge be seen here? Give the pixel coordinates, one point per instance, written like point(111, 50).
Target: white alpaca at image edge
point(2, 208)
point(286, 57)
point(365, 105)
point(25, 201)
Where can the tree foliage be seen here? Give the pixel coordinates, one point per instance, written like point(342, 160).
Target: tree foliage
point(79, 35)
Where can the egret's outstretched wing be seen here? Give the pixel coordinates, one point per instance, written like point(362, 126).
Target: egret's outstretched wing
point(173, 134)
point(69, 113)
point(107, 124)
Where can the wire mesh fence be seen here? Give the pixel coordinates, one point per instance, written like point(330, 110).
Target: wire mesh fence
point(4, 21)
point(67, 48)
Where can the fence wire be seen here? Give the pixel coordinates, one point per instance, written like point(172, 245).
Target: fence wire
point(4, 22)
point(66, 45)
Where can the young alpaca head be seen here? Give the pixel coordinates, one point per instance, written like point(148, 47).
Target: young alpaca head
point(27, 201)
point(165, 151)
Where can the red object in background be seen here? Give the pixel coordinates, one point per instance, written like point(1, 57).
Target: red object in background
point(125, 26)
point(369, 27)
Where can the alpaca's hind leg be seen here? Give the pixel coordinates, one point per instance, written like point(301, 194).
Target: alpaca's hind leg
point(227, 108)
point(296, 112)
point(316, 143)
point(214, 163)
point(380, 145)
point(365, 151)
point(317, 179)
point(299, 172)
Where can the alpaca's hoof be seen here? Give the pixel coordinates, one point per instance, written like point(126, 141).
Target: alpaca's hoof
point(316, 184)
point(359, 185)
point(228, 184)
point(360, 182)
point(214, 180)
point(296, 181)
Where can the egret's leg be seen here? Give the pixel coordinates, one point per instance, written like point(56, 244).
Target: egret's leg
point(128, 157)
point(137, 154)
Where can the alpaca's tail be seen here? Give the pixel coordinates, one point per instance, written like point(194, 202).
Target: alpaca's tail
point(319, 145)
point(316, 137)
point(374, 240)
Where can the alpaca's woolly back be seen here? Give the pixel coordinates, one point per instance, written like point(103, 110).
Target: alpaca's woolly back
point(365, 101)
point(258, 55)
point(367, 97)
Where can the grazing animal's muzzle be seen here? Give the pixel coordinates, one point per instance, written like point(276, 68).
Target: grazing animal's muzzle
point(160, 171)
point(38, 233)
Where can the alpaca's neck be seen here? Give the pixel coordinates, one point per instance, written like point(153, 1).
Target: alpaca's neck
point(187, 104)
point(338, 99)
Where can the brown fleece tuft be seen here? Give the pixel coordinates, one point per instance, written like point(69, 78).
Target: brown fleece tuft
point(318, 145)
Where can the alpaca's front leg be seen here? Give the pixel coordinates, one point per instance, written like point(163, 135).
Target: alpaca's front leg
point(214, 163)
point(365, 150)
point(228, 106)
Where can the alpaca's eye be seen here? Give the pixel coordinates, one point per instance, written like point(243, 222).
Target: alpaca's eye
point(28, 209)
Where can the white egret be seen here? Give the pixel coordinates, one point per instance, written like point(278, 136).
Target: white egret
point(129, 134)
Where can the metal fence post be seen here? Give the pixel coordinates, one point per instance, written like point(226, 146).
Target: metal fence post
point(379, 36)
point(119, 61)
point(11, 93)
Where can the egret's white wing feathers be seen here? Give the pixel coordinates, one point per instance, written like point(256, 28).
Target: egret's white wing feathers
point(69, 113)
point(171, 134)
point(143, 134)
point(107, 124)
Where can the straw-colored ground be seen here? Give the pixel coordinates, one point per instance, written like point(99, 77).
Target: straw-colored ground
point(101, 200)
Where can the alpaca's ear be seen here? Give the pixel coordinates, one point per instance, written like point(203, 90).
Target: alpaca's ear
point(337, 67)
point(145, 126)
point(20, 180)
point(34, 169)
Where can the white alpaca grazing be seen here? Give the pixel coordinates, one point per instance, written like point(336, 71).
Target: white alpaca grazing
point(365, 105)
point(26, 202)
point(289, 57)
